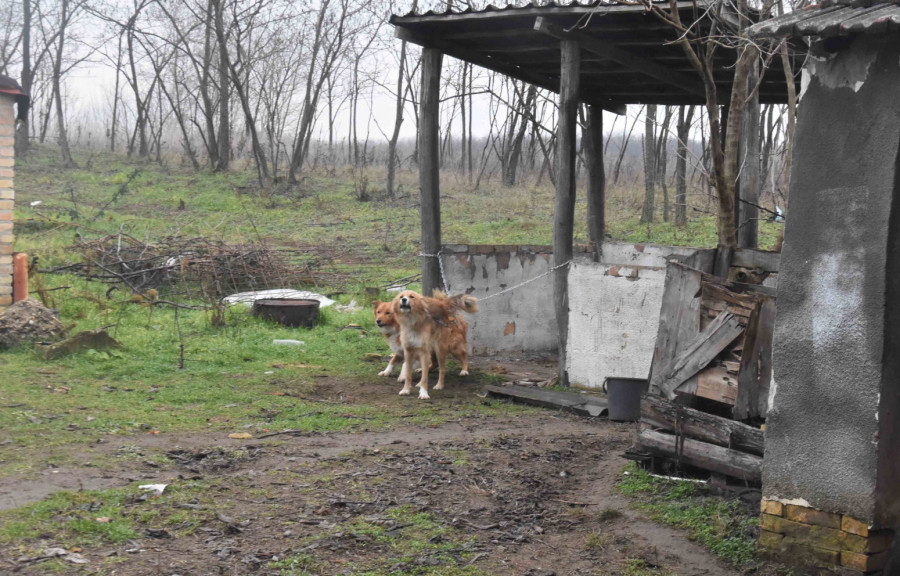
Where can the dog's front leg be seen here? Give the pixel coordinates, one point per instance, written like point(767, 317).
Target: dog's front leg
point(390, 367)
point(406, 372)
point(424, 358)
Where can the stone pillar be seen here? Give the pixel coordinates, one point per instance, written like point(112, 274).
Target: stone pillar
point(7, 147)
point(831, 476)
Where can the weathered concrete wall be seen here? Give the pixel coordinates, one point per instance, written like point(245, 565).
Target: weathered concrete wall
point(614, 311)
point(7, 142)
point(831, 434)
point(522, 319)
point(614, 304)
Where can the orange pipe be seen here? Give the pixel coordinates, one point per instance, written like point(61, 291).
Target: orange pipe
point(20, 276)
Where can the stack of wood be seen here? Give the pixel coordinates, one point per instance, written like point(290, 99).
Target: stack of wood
point(712, 368)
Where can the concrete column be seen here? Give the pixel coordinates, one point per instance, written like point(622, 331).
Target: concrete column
point(831, 478)
point(7, 151)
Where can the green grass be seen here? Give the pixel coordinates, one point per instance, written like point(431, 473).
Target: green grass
point(71, 517)
point(727, 527)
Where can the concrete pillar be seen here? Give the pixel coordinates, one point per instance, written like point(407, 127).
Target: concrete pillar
point(831, 478)
point(7, 150)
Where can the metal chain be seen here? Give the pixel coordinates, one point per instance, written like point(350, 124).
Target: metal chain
point(441, 264)
point(505, 290)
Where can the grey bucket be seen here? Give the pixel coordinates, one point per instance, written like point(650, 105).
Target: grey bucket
point(624, 395)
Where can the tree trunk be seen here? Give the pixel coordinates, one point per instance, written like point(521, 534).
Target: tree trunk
point(683, 130)
point(649, 165)
point(224, 132)
point(23, 132)
point(63, 138)
point(398, 121)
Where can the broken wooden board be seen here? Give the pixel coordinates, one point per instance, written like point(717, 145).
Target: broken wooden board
point(583, 404)
point(755, 374)
point(656, 411)
point(715, 383)
point(698, 354)
point(703, 455)
point(679, 316)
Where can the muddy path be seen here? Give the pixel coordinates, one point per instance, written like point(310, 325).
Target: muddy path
point(530, 495)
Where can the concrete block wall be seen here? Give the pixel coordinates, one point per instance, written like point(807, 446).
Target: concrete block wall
point(614, 304)
point(7, 195)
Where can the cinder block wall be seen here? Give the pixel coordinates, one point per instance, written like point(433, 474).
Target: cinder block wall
point(7, 141)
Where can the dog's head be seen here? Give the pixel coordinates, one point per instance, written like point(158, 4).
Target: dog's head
point(384, 315)
point(408, 302)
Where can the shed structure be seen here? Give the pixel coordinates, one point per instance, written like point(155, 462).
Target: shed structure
point(603, 54)
point(831, 475)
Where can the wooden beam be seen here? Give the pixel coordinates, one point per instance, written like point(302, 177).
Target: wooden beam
point(596, 193)
point(503, 65)
point(582, 404)
point(564, 207)
point(623, 57)
point(703, 455)
point(766, 261)
point(429, 168)
point(697, 354)
point(749, 183)
point(656, 411)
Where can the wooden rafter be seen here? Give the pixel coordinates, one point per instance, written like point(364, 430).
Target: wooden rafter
point(612, 52)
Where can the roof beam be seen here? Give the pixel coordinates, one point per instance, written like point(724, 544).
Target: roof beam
point(609, 51)
point(500, 65)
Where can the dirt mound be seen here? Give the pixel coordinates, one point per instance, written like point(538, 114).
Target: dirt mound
point(28, 321)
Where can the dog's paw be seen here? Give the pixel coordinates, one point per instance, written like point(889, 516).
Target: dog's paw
point(439, 386)
point(405, 392)
point(463, 372)
point(384, 373)
point(423, 394)
point(401, 379)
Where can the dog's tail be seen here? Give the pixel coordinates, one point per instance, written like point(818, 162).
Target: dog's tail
point(462, 302)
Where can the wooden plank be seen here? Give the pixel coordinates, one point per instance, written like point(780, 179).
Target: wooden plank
point(758, 259)
point(699, 353)
point(755, 375)
point(604, 49)
point(679, 318)
point(715, 383)
point(658, 412)
point(596, 193)
point(582, 404)
point(564, 207)
point(429, 168)
point(702, 455)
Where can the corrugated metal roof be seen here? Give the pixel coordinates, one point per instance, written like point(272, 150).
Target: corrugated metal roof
point(835, 18)
point(519, 9)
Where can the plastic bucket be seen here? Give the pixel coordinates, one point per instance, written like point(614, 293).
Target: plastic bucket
point(624, 396)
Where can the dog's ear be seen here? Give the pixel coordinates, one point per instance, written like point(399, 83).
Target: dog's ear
point(376, 304)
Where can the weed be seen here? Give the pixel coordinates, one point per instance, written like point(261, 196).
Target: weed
point(727, 527)
point(595, 541)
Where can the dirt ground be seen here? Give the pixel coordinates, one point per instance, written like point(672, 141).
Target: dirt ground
point(528, 495)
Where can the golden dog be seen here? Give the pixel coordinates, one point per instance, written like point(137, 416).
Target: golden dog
point(431, 325)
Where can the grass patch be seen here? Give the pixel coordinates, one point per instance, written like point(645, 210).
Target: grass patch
point(408, 542)
point(727, 527)
point(72, 519)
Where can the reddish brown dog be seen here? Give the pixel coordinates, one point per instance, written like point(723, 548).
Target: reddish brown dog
point(431, 325)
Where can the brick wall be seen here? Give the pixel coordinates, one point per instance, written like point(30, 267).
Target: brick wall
point(805, 536)
point(7, 130)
